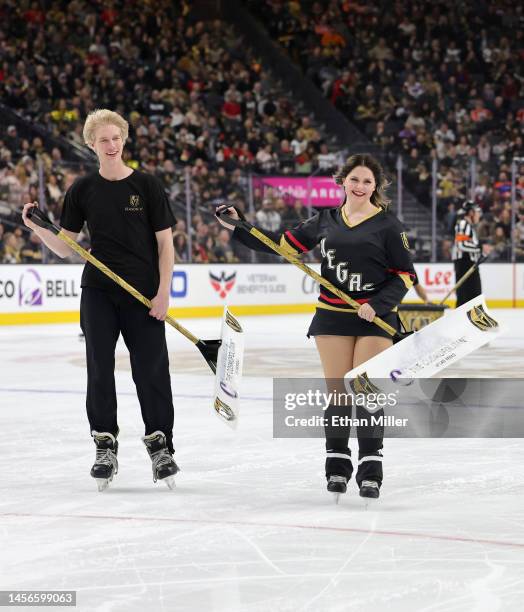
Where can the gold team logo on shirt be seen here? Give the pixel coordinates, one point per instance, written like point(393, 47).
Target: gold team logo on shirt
point(405, 241)
point(134, 204)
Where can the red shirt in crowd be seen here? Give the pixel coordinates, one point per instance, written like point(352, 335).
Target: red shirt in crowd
point(34, 16)
point(109, 16)
point(480, 114)
point(231, 110)
point(340, 87)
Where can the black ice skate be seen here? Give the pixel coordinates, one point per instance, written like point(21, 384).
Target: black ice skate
point(106, 463)
point(369, 489)
point(337, 485)
point(164, 466)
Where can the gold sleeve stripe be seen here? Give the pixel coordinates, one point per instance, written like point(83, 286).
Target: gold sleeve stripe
point(284, 244)
point(407, 280)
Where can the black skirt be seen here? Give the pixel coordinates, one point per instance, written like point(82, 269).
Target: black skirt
point(335, 323)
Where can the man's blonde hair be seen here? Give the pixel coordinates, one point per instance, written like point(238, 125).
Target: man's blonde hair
point(103, 116)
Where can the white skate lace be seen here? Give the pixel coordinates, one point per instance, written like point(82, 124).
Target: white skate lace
point(338, 479)
point(160, 458)
point(369, 483)
point(105, 456)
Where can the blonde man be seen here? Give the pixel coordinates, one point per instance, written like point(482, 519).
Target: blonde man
point(130, 224)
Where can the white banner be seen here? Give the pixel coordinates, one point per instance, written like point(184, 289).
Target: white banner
point(229, 370)
point(40, 288)
point(518, 282)
point(209, 285)
point(439, 278)
point(435, 347)
point(28, 292)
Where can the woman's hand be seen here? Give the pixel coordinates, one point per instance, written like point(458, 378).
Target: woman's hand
point(26, 220)
point(230, 212)
point(366, 312)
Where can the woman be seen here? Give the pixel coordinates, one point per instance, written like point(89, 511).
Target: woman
point(180, 244)
point(11, 249)
point(366, 254)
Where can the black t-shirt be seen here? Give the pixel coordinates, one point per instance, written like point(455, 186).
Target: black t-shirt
point(370, 261)
point(122, 217)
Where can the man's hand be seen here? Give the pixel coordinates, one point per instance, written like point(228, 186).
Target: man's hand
point(160, 305)
point(366, 312)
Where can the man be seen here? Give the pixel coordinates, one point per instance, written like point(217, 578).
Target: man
point(130, 221)
point(267, 217)
point(466, 251)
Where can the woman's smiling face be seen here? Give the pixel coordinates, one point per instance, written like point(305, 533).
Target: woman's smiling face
point(359, 185)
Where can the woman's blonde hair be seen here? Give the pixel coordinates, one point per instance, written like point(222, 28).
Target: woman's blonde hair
point(378, 197)
point(103, 116)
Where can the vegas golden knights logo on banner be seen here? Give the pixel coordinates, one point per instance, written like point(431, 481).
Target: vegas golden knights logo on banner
point(405, 241)
point(232, 322)
point(480, 319)
point(362, 384)
point(224, 410)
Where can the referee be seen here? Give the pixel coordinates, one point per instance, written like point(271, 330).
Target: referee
point(466, 252)
point(129, 220)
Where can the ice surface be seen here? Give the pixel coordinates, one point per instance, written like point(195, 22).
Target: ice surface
point(250, 526)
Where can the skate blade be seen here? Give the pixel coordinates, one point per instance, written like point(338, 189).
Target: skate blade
point(170, 482)
point(370, 502)
point(337, 497)
point(102, 484)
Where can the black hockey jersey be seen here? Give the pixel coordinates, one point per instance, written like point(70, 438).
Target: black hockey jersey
point(466, 243)
point(370, 261)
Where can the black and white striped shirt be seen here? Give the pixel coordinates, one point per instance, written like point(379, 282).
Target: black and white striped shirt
point(466, 243)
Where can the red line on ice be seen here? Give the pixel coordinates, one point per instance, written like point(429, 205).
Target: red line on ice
point(410, 534)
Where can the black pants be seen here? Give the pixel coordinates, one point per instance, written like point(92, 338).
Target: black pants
point(370, 443)
point(472, 287)
point(103, 316)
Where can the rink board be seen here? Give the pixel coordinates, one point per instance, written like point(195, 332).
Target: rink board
point(51, 294)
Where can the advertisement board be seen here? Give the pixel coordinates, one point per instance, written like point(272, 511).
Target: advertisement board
point(439, 278)
point(39, 294)
point(47, 294)
point(311, 191)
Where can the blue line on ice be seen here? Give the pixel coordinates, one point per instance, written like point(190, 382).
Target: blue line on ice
point(68, 392)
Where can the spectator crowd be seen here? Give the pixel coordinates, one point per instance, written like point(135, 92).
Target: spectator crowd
point(200, 105)
point(193, 92)
point(431, 80)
